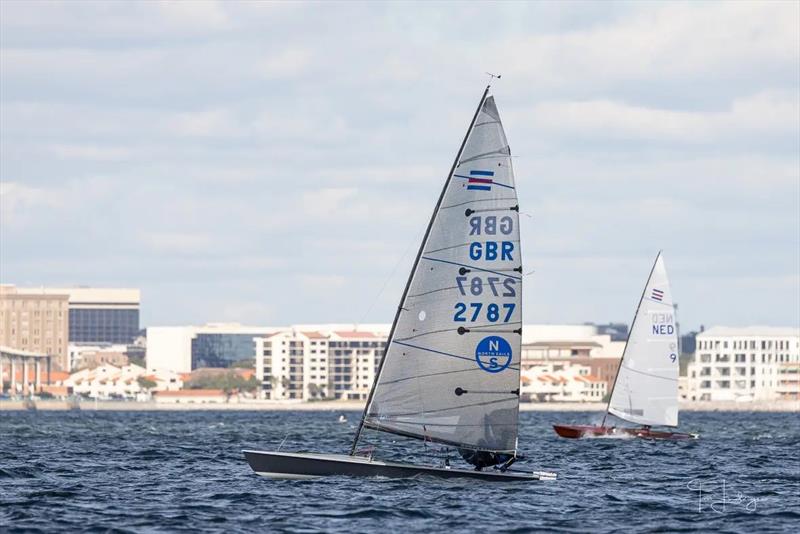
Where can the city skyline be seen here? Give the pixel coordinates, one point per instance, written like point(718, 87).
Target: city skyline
point(237, 170)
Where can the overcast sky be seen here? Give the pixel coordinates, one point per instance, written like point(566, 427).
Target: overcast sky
point(277, 163)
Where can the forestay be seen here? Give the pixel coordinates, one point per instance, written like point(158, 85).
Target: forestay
point(451, 371)
point(646, 389)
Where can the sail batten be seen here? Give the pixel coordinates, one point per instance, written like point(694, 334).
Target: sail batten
point(455, 343)
point(646, 389)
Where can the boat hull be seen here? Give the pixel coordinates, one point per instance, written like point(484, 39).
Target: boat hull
point(300, 466)
point(592, 431)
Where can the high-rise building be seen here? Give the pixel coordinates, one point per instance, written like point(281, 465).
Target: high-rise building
point(35, 323)
point(98, 315)
point(741, 364)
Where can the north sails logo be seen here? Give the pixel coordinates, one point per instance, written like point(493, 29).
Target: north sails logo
point(493, 354)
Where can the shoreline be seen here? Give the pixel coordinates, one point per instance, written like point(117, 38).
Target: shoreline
point(345, 406)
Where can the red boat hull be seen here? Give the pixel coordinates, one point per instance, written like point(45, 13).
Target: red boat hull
point(592, 431)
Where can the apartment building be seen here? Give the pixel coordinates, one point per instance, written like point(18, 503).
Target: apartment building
point(311, 364)
point(742, 364)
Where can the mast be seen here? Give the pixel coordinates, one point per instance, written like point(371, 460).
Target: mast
point(414, 268)
point(630, 331)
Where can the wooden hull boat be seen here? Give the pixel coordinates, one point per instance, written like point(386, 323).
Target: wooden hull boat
point(645, 389)
point(593, 431)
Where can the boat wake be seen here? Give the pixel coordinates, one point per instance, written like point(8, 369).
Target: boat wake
point(621, 435)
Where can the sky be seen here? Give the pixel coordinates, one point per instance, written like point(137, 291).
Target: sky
point(277, 163)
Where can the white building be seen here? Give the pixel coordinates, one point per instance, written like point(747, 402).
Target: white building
point(561, 354)
point(323, 363)
point(743, 364)
point(109, 381)
point(561, 382)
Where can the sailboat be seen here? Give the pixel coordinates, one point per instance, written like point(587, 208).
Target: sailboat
point(450, 374)
point(645, 390)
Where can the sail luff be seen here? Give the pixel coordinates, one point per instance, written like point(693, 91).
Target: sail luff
point(625, 350)
point(390, 339)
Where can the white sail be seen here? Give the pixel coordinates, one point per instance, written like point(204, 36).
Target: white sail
point(646, 389)
point(451, 370)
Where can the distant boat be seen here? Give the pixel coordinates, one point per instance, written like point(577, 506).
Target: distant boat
point(645, 390)
point(450, 372)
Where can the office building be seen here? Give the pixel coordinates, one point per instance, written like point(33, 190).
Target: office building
point(97, 315)
point(185, 348)
point(103, 315)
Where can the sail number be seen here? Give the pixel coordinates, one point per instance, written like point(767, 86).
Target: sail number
point(493, 312)
point(662, 324)
point(476, 286)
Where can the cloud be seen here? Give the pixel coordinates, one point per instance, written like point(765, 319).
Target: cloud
point(18, 201)
point(255, 150)
point(209, 123)
point(179, 243)
point(327, 201)
point(668, 42)
point(288, 63)
point(315, 283)
point(768, 113)
point(91, 152)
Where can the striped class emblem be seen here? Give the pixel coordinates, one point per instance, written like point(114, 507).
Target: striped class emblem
point(479, 181)
point(657, 295)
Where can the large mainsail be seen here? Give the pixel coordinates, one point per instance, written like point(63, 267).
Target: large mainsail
point(646, 389)
point(451, 369)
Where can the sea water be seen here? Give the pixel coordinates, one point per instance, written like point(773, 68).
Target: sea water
point(184, 471)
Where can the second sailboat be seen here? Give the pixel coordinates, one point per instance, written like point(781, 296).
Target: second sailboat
point(645, 390)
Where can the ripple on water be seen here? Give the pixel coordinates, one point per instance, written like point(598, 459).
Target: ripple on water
point(184, 471)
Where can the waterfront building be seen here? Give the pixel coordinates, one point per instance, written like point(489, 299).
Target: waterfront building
point(571, 351)
point(35, 322)
point(561, 382)
point(107, 382)
point(743, 364)
point(121, 382)
point(326, 363)
point(96, 315)
point(183, 349)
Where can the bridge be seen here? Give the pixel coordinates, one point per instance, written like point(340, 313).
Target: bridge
point(14, 357)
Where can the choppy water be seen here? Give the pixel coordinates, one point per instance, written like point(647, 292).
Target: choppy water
point(167, 471)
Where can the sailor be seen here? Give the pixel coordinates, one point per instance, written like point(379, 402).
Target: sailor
point(481, 459)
